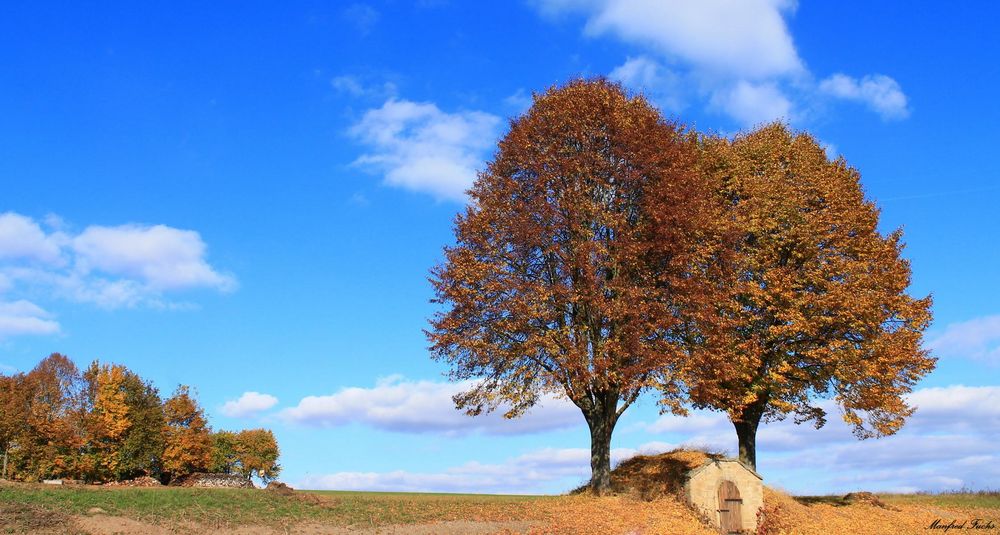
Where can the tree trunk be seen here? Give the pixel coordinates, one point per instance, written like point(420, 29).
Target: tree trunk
point(5, 450)
point(601, 420)
point(746, 433)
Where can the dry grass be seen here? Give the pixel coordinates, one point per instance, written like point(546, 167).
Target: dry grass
point(584, 515)
point(647, 502)
point(787, 515)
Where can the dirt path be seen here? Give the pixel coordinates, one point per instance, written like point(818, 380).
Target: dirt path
point(100, 524)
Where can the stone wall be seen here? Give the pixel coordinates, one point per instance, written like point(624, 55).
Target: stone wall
point(702, 489)
point(215, 481)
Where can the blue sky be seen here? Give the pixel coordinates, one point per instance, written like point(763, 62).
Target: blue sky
point(247, 198)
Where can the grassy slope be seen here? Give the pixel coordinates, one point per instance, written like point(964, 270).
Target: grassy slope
point(31, 508)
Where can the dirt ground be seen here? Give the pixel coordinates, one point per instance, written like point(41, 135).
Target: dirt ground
point(112, 525)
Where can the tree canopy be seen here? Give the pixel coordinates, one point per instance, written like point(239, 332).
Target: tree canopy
point(605, 251)
point(812, 297)
point(564, 278)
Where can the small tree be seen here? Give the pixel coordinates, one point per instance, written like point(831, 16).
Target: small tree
point(554, 285)
point(224, 454)
point(815, 303)
point(257, 454)
point(188, 440)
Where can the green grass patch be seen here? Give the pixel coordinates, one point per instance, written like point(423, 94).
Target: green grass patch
point(236, 507)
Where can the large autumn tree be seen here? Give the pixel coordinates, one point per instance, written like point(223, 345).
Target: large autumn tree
point(816, 304)
point(553, 285)
point(54, 430)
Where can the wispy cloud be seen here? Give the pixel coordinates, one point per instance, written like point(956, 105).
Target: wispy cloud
point(417, 146)
point(363, 86)
point(361, 16)
point(946, 444)
point(22, 317)
point(978, 338)
point(524, 474)
point(396, 404)
point(736, 56)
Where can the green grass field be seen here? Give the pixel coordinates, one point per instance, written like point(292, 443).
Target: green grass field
point(235, 507)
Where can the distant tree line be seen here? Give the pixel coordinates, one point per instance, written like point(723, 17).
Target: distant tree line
point(108, 424)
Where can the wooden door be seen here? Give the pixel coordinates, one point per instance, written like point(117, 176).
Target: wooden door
point(730, 508)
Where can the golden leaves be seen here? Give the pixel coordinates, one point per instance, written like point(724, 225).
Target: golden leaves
point(815, 296)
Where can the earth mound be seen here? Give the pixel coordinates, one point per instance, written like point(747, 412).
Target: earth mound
point(649, 477)
point(280, 488)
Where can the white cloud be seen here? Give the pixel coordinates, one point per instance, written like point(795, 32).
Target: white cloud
point(249, 404)
point(957, 408)
point(419, 147)
point(738, 56)
point(529, 473)
point(396, 404)
point(25, 318)
point(163, 257)
point(977, 338)
point(21, 238)
point(112, 267)
point(949, 442)
point(752, 104)
point(880, 93)
point(746, 38)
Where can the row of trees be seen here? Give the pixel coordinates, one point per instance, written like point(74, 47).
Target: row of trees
point(108, 424)
point(606, 252)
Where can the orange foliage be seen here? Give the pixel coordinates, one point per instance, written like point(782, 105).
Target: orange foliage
point(554, 285)
point(257, 454)
point(54, 432)
point(813, 298)
point(188, 439)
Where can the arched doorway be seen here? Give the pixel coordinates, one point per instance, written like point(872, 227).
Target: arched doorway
point(730, 508)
